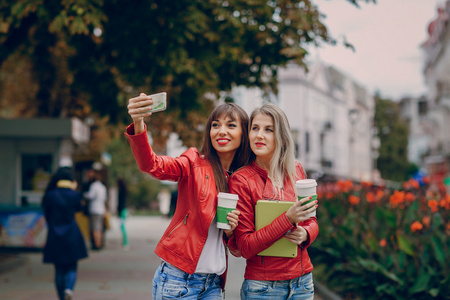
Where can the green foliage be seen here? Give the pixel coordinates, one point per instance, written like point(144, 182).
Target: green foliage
point(375, 243)
point(143, 191)
point(393, 133)
point(142, 188)
point(191, 49)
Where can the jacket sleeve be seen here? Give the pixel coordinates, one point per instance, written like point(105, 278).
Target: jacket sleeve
point(161, 167)
point(250, 242)
point(232, 246)
point(312, 228)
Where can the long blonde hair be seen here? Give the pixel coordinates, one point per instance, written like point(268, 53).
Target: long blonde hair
point(282, 163)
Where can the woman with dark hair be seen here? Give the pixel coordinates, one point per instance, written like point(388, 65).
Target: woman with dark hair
point(65, 244)
point(192, 248)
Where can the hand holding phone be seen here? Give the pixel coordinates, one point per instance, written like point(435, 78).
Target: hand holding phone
point(139, 107)
point(159, 102)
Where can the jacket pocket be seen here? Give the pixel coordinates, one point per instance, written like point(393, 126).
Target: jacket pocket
point(180, 224)
point(205, 186)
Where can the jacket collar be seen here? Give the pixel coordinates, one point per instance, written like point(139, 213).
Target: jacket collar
point(269, 191)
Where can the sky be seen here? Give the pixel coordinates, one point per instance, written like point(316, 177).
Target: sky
point(386, 36)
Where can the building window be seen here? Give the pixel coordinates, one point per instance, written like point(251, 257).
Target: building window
point(423, 108)
point(36, 171)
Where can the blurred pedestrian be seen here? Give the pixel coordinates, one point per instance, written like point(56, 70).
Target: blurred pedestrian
point(192, 249)
point(65, 244)
point(96, 196)
point(122, 210)
point(272, 175)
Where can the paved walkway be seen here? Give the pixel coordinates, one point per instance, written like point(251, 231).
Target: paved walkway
point(110, 274)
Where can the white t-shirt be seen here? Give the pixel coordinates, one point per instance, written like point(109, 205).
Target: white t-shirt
point(212, 259)
point(97, 196)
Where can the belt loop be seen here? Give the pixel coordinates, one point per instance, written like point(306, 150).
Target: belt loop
point(163, 264)
point(187, 276)
point(300, 280)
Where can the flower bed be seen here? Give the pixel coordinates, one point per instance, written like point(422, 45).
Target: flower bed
point(378, 243)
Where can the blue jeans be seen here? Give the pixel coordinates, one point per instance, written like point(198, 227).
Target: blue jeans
point(65, 277)
point(300, 288)
point(170, 282)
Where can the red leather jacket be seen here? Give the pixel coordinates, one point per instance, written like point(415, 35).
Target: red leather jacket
point(252, 184)
point(184, 238)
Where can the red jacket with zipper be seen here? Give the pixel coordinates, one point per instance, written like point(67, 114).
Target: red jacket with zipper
point(252, 184)
point(184, 238)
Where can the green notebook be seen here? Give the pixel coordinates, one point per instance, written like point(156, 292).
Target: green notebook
point(265, 212)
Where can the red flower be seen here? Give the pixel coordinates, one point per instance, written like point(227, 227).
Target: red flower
point(344, 186)
point(433, 204)
point(410, 197)
point(397, 198)
point(379, 195)
point(383, 243)
point(414, 183)
point(416, 226)
point(353, 199)
point(370, 197)
point(329, 195)
point(426, 221)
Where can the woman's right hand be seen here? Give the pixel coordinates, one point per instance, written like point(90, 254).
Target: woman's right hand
point(297, 212)
point(138, 110)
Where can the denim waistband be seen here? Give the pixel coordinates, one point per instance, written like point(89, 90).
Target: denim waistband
point(172, 270)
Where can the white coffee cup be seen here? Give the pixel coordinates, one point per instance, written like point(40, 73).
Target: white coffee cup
point(307, 188)
point(226, 203)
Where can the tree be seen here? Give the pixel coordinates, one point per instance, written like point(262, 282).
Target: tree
point(92, 55)
point(393, 132)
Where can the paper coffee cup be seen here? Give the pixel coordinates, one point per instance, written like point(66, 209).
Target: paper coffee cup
point(307, 188)
point(225, 203)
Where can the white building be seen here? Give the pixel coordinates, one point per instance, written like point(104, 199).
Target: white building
point(331, 118)
point(429, 116)
point(422, 130)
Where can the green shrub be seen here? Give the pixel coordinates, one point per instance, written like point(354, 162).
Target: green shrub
point(375, 243)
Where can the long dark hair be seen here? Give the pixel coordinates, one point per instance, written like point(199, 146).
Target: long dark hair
point(236, 113)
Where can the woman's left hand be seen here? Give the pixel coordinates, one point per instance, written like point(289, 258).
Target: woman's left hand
point(298, 236)
point(233, 219)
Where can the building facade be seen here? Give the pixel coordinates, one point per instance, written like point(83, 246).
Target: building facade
point(331, 118)
point(429, 115)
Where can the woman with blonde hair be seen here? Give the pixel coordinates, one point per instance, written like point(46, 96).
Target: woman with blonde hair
point(271, 176)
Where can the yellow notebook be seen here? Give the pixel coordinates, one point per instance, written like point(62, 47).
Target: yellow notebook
point(265, 212)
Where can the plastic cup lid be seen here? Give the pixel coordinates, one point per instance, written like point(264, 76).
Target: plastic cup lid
point(228, 196)
point(306, 183)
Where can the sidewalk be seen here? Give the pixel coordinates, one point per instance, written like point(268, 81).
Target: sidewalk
point(109, 274)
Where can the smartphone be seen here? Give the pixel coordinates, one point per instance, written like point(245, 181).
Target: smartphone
point(159, 102)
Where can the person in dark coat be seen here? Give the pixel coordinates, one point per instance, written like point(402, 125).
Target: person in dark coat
point(65, 244)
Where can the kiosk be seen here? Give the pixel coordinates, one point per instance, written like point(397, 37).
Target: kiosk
point(31, 150)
